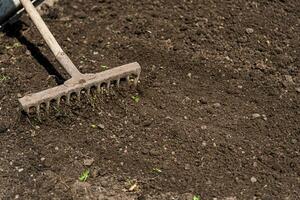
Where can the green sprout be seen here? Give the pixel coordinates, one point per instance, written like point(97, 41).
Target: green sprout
point(103, 66)
point(135, 98)
point(157, 170)
point(84, 175)
point(3, 78)
point(94, 126)
point(196, 197)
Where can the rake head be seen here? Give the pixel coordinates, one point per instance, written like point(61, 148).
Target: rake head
point(74, 86)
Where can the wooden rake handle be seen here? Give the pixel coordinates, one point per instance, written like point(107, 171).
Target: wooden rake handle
point(59, 54)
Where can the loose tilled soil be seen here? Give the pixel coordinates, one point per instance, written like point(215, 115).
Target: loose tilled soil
point(218, 113)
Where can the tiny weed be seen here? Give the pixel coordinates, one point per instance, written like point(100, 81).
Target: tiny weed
point(157, 170)
point(3, 78)
point(135, 98)
point(196, 197)
point(84, 175)
point(15, 45)
point(104, 67)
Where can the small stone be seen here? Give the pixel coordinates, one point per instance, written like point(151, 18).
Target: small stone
point(104, 183)
point(187, 166)
point(216, 105)
point(56, 148)
point(101, 126)
point(289, 79)
point(154, 152)
point(3, 128)
point(20, 170)
point(80, 186)
point(203, 127)
point(294, 141)
point(17, 196)
point(95, 172)
point(264, 117)
point(189, 75)
point(253, 179)
point(230, 198)
point(203, 100)
point(185, 117)
point(255, 115)
point(255, 164)
point(204, 144)
point(297, 89)
point(249, 30)
point(88, 162)
point(147, 122)
point(43, 159)
point(19, 95)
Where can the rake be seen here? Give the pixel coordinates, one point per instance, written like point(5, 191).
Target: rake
point(78, 82)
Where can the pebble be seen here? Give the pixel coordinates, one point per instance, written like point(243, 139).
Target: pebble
point(185, 117)
point(204, 143)
point(95, 172)
point(187, 166)
point(297, 89)
point(253, 179)
point(56, 148)
point(255, 115)
point(42, 159)
point(3, 129)
point(217, 105)
point(88, 162)
point(203, 127)
point(255, 164)
point(20, 170)
point(19, 95)
point(101, 126)
point(289, 79)
point(154, 152)
point(104, 183)
point(264, 117)
point(249, 30)
point(189, 75)
point(294, 141)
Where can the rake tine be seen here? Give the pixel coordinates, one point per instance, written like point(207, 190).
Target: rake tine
point(58, 102)
point(136, 80)
point(47, 106)
point(99, 88)
point(78, 95)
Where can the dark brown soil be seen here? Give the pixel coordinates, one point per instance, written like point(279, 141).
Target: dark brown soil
point(219, 109)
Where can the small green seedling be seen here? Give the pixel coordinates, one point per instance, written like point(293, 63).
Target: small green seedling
point(157, 170)
point(135, 98)
point(15, 45)
point(196, 198)
point(84, 175)
point(3, 78)
point(94, 126)
point(104, 67)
